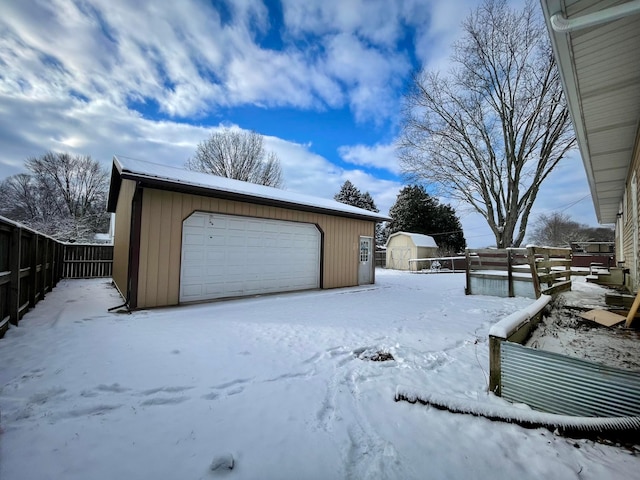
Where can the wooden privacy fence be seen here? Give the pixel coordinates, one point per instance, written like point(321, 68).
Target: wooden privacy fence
point(87, 261)
point(509, 272)
point(31, 264)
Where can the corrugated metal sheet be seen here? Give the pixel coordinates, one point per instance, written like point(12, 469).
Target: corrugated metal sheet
point(498, 285)
point(560, 384)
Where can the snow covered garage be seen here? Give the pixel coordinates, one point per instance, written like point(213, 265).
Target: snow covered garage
point(184, 236)
point(403, 246)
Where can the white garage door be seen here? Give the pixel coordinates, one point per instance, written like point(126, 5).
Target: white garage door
point(230, 256)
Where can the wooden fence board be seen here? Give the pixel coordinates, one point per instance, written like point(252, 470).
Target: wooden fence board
point(31, 264)
point(548, 266)
point(87, 261)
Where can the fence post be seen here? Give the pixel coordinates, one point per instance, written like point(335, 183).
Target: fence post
point(32, 278)
point(495, 380)
point(60, 260)
point(510, 272)
point(467, 289)
point(14, 262)
point(531, 254)
point(52, 262)
point(42, 258)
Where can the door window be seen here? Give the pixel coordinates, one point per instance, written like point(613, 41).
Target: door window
point(364, 250)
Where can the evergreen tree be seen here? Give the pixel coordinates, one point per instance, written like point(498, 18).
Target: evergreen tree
point(366, 202)
point(351, 195)
point(415, 211)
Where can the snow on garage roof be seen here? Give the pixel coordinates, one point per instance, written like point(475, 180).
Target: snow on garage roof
point(155, 175)
point(418, 239)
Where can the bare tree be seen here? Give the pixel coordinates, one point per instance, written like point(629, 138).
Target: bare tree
point(65, 196)
point(77, 183)
point(558, 230)
point(490, 131)
point(239, 155)
point(20, 198)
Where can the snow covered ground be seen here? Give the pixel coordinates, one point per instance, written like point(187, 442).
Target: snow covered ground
point(281, 384)
point(564, 331)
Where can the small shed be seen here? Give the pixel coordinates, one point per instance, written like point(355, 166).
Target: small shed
point(184, 236)
point(403, 246)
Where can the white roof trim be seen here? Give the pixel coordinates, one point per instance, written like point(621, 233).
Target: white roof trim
point(140, 169)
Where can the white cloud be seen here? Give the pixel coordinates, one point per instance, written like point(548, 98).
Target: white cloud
point(377, 156)
point(370, 76)
point(444, 25)
point(183, 56)
point(377, 22)
point(103, 130)
point(310, 173)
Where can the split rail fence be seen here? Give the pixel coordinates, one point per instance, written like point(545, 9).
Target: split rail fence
point(31, 264)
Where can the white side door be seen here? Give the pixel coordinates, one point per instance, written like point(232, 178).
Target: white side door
point(365, 269)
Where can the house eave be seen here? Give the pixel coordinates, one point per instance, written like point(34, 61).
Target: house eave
point(598, 67)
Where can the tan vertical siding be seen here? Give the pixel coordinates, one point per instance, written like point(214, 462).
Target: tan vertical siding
point(122, 236)
point(161, 241)
point(628, 225)
point(173, 280)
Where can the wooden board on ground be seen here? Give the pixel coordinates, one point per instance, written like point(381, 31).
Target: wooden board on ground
point(603, 317)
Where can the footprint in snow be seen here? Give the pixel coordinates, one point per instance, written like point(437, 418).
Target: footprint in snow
point(44, 397)
point(164, 401)
point(221, 463)
point(231, 383)
point(114, 387)
point(153, 391)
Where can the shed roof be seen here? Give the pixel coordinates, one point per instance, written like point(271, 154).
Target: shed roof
point(164, 177)
point(418, 239)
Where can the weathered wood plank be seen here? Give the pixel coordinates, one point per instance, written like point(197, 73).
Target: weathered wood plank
point(557, 288)
point(551, 263)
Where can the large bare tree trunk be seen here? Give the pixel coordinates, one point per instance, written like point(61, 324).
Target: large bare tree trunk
point(490, 131)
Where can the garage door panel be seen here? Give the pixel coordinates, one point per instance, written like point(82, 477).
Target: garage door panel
point(191, 258)
point(195, 220)
point(214, 256)
point(214, 240)
point(194, 237)
point(226, 255)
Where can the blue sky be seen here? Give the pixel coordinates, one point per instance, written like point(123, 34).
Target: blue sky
point(322, 80)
